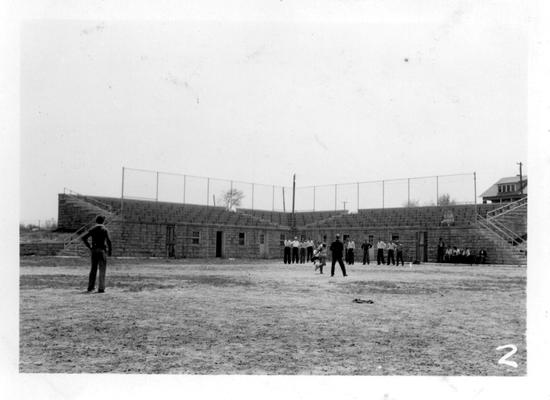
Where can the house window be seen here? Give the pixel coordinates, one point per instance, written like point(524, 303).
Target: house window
point(262, 238)
point(500, 188)
point(195, 239)
point(282, 240)
point(241, 238)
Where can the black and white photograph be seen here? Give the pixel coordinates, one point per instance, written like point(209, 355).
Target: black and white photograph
point(234, 191)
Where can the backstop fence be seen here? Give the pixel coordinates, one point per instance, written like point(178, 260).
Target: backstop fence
point(388, 193)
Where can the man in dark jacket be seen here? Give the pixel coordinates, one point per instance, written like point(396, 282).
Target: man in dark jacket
point(100, 248)
point(440, 250)
point(337, 249)
point(366, 246)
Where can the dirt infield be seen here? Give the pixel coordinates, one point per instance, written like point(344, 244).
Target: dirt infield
point(234, 317)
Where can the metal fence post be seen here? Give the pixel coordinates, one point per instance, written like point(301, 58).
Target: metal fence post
point(408, 192)
point(122, 193)
point(157, 194)
point(383, 194)
point(357, 196)
point(475, 193)
point(184, 184)
point(207, 192)
point(437, 190)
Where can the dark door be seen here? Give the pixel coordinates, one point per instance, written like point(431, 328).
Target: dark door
point(170, 240)
point(425, 242)
point(219, 242)
point(422, 246)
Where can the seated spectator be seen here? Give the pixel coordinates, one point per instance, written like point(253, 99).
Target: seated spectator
point(454, 255)
point(482, 257)
point(468, 259)
point(459, 256)
point(448, 254)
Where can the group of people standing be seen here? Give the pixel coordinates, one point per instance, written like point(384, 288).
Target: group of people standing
point(393, 250)
point(297, 251)
point(456, 255)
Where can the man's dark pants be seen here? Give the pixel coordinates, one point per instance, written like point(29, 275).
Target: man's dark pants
point(390, 257)
point(302, 255)
point(400, 257)
point(309, 253)
point(339, 259)
point(295, 256)
point(99, 259)
point(380, 256)
point(366, 257)
point(286, 255)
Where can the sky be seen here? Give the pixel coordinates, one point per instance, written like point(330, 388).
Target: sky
point(257, 99)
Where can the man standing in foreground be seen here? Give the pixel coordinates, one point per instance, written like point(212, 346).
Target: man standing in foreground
point(337, 249)
point(101, 247)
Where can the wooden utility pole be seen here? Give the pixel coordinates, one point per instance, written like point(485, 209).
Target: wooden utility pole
point(293, 200)
point(520, 178)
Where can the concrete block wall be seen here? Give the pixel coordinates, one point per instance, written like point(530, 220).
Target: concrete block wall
point(40, 248)
point(150, 240)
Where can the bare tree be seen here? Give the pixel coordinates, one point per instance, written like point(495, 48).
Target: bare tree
point(445, 200)
point(411, 203)
point(232, 198)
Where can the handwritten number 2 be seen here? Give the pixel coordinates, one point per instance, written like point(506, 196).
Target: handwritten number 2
point(504, 358)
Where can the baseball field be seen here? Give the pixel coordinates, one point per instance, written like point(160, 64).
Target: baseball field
point(265, 317)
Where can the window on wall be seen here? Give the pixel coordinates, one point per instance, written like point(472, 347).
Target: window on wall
point(282, 240)
point(241, 238)
point(262, 238)
point(196, 237)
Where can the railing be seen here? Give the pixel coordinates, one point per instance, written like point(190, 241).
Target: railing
point(79, 233)
point(500, 230)
point(84, 228)
point(90, 200)
point(506, 208)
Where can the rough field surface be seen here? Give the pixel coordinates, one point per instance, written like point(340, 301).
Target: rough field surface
point(244, 317)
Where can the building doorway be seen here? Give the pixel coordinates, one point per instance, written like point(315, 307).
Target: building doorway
point(170, 240)
point(422, 246)
point(219, 244)
point(263, 245)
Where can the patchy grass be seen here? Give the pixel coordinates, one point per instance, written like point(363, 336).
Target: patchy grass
point(192, 317)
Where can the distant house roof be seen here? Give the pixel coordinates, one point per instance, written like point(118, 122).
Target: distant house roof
point(493, 190)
